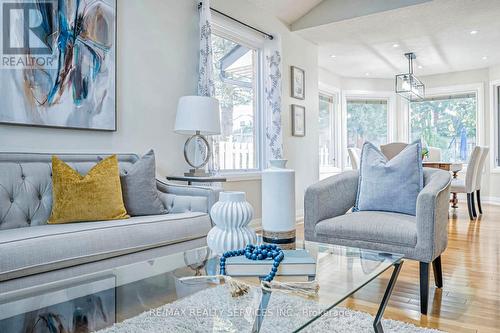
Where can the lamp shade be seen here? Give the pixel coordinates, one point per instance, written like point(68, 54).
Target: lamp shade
point(197, 113)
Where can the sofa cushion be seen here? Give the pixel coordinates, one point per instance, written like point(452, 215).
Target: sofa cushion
point(94, 196)
point(25, 251)
point(372, 226)
point(140, 194)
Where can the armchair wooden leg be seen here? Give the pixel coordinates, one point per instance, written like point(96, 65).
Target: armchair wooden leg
point(469, 206)
point(438, 272)
point(478, 194)
point(424, 287)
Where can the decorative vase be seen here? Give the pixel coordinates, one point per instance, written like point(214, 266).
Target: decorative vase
point(231, 215)
point(278, 205)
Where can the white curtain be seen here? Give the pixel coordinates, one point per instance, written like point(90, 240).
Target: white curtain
point(205, 73)
point(273, 91)
point(205, 79)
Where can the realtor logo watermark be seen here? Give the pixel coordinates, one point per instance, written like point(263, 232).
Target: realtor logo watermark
point(27, 32)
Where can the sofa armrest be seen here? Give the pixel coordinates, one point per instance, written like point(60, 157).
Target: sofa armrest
point(432, 213)
point(329, 198)
point(185, 198)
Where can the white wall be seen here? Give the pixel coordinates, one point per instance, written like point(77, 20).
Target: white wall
point(350, 83)
point(328, 78)
point(367, 84)
point(157, 63)
point(494, 72)
point(494, 177)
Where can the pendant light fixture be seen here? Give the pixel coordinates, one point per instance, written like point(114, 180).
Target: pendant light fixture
point(408, 85)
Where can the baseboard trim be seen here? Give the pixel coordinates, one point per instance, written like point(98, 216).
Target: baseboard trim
point(485, 200)
point(491, 200)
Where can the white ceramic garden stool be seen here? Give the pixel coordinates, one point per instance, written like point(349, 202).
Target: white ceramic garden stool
point(231, 215)
point(278, 205)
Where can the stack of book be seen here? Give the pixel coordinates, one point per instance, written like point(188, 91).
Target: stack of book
point(295, 263)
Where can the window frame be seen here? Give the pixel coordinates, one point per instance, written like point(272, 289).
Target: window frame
point(388, 96)
point(225, 28)
point(336, 132)
point(495, 126)
point(476, 88)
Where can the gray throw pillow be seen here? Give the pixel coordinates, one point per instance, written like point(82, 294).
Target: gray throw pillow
point(140, 194)
point(393, 185)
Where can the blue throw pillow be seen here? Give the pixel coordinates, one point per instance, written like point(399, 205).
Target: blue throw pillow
point(391, 186)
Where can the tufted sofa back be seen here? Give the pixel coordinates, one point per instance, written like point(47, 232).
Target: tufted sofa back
point(26, 184)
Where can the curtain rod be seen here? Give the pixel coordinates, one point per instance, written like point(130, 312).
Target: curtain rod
point(269, 36)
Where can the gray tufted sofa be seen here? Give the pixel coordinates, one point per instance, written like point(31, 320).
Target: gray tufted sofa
point(33, 252)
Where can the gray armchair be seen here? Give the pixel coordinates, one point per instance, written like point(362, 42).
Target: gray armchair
point(422, 237)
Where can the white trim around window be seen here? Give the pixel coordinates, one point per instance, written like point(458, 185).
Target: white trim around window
point(337, 120)
point(225, 28)
point(388, 96)
point(476, 88)
point(494, 126)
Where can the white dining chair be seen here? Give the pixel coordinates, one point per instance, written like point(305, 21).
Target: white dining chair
point(434, 154)
point(355, 157)
point(484, 154)
point(390, 150)
point(469, 185)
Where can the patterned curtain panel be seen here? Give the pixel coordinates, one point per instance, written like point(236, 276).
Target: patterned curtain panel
point(205, 72)
point(273, 91)
point(205, 79)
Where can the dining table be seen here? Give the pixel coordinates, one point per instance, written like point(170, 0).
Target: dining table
point(452, 167)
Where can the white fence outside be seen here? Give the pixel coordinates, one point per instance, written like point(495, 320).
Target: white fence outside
point(324, 156)
point(235, 155)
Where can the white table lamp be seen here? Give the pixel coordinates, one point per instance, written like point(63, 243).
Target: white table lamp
point(197, 116)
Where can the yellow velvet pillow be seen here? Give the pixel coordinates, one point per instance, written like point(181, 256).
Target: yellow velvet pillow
point(93, 197)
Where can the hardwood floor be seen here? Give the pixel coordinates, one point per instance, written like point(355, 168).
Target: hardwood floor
point(470, 298)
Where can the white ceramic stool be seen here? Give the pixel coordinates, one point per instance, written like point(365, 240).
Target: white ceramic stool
point(231, 215)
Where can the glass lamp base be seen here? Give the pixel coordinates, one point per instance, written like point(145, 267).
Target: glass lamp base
point(196, 173)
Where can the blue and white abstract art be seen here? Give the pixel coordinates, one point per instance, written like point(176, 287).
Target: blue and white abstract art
point(58, 63)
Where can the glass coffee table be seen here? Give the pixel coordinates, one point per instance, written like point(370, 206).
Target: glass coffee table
point(156, 292)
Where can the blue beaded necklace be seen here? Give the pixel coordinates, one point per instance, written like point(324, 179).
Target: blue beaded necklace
point(259, 252)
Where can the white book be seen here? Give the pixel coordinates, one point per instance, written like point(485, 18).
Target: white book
point(295, 262)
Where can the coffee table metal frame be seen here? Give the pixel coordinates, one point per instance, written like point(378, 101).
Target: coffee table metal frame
point(377, 323)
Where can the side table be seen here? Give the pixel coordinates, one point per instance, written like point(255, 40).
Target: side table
point(454, 168)
point(190, 179)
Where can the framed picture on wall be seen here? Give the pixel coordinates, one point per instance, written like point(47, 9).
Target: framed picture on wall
point(298, 120)
point(298, 77)
point(60, 76)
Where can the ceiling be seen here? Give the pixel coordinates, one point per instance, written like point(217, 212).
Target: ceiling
point(287, 11)
point(439, 32)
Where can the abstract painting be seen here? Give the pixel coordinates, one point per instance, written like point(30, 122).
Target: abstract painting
point(58, 63)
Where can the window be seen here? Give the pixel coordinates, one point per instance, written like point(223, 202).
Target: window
point(236, 73)
point(497, 108)
point(327, 116)
point(446, 122)
point(367, 120)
